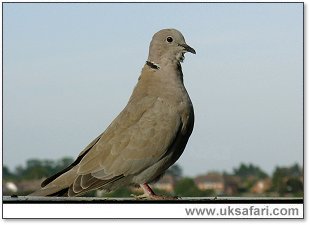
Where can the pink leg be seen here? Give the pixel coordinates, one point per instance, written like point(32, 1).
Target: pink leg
point(147, 189)
point(149, 194)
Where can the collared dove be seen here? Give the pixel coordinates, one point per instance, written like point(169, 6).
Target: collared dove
point(146, 138)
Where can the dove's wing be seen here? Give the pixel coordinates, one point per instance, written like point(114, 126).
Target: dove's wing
point(135, 140)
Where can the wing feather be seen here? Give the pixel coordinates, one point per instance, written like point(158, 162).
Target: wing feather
point(132, 143)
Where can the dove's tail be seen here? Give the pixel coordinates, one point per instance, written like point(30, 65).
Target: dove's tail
point(58, 184)
point(51, 192)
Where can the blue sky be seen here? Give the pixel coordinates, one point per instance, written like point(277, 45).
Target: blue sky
point(69, 69)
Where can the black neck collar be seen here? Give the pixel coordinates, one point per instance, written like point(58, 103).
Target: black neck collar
point(152, 65)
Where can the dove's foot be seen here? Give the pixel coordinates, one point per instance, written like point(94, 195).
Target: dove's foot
point(150, 195)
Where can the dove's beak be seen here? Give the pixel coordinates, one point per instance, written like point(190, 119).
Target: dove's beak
point(188, 48)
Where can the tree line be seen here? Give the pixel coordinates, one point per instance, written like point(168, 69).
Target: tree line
point(285, 180)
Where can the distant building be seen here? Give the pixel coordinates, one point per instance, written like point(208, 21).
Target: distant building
point(261, 186)
point(210, 181)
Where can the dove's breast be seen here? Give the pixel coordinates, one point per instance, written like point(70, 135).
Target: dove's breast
point(171, 91)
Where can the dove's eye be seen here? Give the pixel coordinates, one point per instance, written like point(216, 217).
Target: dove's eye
point(169, 39)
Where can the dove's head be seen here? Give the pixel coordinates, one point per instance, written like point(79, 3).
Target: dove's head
point(168, 45)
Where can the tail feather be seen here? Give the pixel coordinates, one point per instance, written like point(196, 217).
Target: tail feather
point(58, 186)
point(63, 192)
point(51, 191)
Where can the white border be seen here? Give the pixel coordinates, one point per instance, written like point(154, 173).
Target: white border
point(147, 211)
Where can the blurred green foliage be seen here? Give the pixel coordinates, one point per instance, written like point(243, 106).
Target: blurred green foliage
point(285, 181)
point(187, 187)
point(245, 171)
point(36, 169)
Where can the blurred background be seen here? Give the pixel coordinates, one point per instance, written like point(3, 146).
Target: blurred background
point(69, 69)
